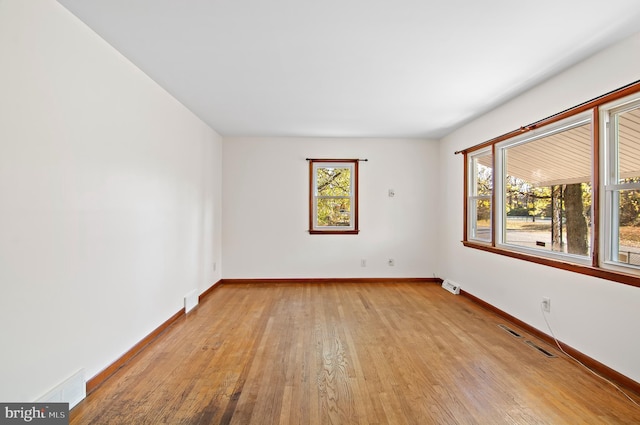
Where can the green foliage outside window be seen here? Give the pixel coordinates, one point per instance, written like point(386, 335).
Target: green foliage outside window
point(333, 196)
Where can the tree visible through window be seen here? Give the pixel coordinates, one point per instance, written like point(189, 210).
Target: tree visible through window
point(546, 194)
point(333, 196)
point(563, 191)
point(623, 185)
point(481, 191)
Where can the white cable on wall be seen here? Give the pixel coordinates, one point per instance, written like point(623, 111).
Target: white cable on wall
point(544, 316)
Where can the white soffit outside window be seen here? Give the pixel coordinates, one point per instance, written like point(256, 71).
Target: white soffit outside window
point(560, 158)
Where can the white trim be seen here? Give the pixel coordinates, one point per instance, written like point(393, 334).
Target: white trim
point(623, 186)
point(472, 197)
point(564, 125)
point(500, 193)
point(611, 186)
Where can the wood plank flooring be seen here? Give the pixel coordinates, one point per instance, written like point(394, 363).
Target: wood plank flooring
point(344, 353)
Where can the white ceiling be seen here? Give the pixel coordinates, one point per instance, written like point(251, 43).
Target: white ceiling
point(352, 68)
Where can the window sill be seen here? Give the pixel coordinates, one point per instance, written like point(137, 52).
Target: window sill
point(334, 232)
point(625, 278)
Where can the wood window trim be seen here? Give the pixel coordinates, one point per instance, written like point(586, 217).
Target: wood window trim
point(467, 195)
point(583, 107)
point(616, 276)
point(594, 270)
point(595, 189)
point(355, 229)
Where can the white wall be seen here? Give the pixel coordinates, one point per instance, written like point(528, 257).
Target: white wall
point(597, 317)
point(111, 194)
point(265, 209)
point(109, 201)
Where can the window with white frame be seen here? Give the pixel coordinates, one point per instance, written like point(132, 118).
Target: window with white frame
point(563, 191)
point(333, 196)
point(480, 195)
point(544, 190)
point(622, 183)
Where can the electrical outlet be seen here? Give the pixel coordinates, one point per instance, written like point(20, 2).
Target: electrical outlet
point(391, 262)
point(363, 263)
point(546, 304)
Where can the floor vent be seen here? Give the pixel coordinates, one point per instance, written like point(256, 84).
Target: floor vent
point(511, 331)
point(72, 391)
point(540, 349)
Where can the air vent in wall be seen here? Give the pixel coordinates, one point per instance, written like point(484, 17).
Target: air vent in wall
point(72, 391)
point(451, 286)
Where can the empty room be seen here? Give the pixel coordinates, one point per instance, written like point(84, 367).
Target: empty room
point(330, 212)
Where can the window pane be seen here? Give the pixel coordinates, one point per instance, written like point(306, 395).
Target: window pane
point(483, 171)
point(625, 227)
point(481, 215)
point(480, 193)
point(334, 211)
point(628, 132)
point(333, 181)
point(547, 192)
point(628, 238)
point(333, 206)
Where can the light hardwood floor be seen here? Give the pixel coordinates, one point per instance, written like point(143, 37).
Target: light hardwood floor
point(344, 353)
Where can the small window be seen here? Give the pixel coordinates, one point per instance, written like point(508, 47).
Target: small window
point(545, 191)
point(480, 195)
point(333, 197)
point(622, 186)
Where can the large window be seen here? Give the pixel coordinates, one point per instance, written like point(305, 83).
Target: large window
point(333, 199)
point(622, 184)
point(545, 190)
point(564, 191)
